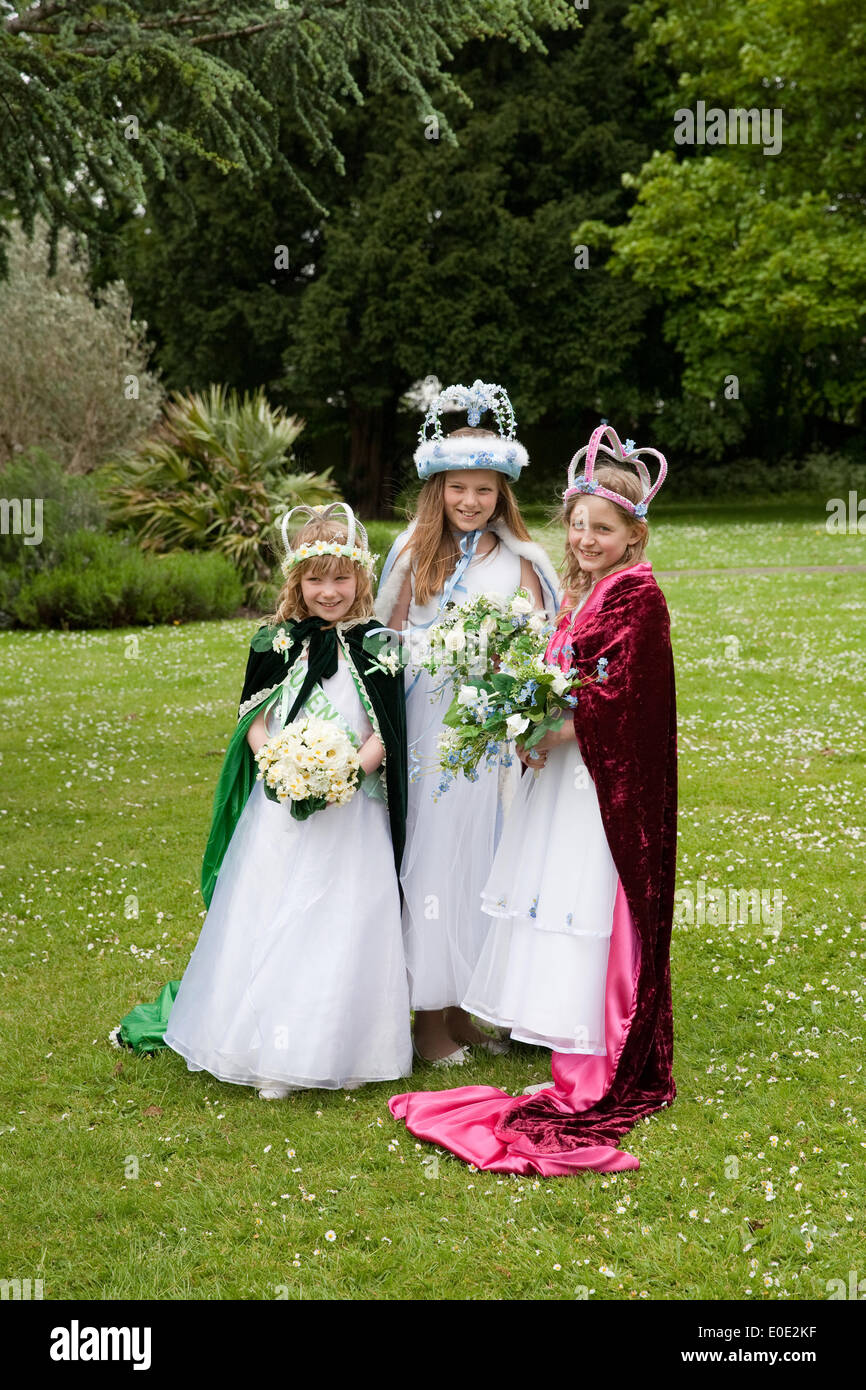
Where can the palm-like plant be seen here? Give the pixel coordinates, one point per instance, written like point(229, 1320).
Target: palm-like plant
point(214, 476)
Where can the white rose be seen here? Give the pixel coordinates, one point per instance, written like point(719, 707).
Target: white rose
point(520, 605)
point(497, 601)
point(560, 683)
point(455, 640)
point(467, 695)
point(536, 622)
point(516, 724)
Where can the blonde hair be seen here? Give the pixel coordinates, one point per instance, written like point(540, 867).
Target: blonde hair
point(434, 548)
point(290, 604)
point(576, 581)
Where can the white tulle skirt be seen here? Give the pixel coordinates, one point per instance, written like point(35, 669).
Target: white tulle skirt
point(299, 975)
point(450, 845)
point(551, 892)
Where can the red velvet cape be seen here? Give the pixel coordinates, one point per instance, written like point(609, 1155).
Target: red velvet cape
point(626, 728)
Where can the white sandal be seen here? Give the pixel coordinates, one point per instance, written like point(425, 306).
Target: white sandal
point(453, 1059)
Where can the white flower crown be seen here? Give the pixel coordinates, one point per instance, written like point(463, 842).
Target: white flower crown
point(359, 554)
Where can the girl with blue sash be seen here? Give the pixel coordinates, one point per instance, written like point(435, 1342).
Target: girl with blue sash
point(467, 537)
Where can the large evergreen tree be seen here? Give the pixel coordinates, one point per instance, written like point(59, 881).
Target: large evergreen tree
point(436, 258)
point(458, 260)
point(99, 96)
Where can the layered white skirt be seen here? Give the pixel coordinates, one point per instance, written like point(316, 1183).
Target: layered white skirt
point(450, 843)
point(299, 975)
point(551, 891)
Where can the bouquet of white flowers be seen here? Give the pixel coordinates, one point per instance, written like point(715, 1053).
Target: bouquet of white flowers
point(310, 764)
point(457, 646)
point(522, 699)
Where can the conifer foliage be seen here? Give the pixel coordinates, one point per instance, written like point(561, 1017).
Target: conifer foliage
point(98, 95)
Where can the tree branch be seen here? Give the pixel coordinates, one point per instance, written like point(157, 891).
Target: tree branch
point(21, 23)
point(235, 33)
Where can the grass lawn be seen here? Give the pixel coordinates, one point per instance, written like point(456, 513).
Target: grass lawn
point(125, 1177)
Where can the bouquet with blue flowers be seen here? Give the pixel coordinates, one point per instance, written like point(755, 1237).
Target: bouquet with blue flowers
point(519, 696)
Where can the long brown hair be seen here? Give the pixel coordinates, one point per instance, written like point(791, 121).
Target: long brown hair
point(576, 581)
point(434, 549)
point(290, 604)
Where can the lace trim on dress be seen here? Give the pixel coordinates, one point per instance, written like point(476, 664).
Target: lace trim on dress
point(257, 698)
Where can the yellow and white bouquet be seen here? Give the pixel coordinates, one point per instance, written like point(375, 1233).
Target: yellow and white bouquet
point(310, 764)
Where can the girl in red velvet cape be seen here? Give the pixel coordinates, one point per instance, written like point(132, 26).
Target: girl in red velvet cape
point(625, 730)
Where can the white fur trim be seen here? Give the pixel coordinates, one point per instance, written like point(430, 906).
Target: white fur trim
point(389, 592)
point(437, 455)
point(528, 550)
point(537, 557)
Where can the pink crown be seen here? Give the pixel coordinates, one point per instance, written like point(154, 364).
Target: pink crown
point(619, 454)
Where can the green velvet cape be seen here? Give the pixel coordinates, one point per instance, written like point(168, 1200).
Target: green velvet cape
point(266, 670)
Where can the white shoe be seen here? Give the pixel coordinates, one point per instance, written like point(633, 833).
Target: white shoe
point(453, 1059)
point(277, 1092)
point(541, 1086)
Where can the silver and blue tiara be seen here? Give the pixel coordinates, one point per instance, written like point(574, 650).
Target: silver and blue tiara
point(502, 453)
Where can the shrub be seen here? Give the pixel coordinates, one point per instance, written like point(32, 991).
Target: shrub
point(67, 504)
point(105, 581)
point(381, 535)
point(73, 367)
point(216, 476)
point(816, 475)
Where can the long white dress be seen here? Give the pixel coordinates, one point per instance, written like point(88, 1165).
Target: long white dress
point(551, 892)
point(299, 975)
point(450, 838)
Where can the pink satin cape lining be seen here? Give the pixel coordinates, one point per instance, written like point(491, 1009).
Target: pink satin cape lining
point(465, 1119)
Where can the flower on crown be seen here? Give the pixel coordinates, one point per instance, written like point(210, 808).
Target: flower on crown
point(310, 550)
point(628, 446)
point(358, 551)
point(475, 408)
point(640, 508)
point(474, 399)
point(585, 484)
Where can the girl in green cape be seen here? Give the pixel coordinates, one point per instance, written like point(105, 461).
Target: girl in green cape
point(299, 977)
